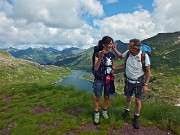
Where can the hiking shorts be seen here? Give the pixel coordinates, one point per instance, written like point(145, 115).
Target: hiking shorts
point(131, 88)
point(99, 86)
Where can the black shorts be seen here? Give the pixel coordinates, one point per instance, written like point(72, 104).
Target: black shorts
point(131, 88)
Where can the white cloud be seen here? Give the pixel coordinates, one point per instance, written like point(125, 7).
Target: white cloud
point(91, 7)
point(56, 13)
point(142, 24)
point(111, 1)
point(5, 6)
point(61, 23)
point(55, 22)
point(166, 15)
point(50, 13)
point(23, 35)
point(126, 26)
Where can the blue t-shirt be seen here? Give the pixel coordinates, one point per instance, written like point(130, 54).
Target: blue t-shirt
point(105, 65)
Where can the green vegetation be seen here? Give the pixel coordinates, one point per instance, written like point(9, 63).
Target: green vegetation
point(17, 71)
point(31, 104)
point(165, 69)
point(80, 61)
point(50, 109)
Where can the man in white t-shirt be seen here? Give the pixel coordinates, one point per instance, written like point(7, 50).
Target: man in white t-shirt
point(137, 79)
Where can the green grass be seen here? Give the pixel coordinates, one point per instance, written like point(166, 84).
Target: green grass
point(29, 74)
point(64, 109)
point(59, 103)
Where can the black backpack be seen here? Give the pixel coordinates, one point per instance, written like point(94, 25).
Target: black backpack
point(112, 86)
point(96, 49)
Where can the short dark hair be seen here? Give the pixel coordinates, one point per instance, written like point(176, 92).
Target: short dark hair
point(137, 43)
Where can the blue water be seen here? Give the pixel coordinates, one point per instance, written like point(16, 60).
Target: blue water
point(78, 83)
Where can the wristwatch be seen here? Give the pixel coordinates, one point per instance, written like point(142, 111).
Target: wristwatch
point(145, 84)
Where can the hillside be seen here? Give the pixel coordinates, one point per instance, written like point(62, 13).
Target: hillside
point(163, 38)
point(41, 55)
point(29, 104)
point(166, 48)
point(165, 66)
point(18, 71)
point(82, 60)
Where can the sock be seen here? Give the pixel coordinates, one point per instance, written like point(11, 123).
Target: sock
point(104, 109)
point(137, 114)
point(96, 111)
point(127, 110)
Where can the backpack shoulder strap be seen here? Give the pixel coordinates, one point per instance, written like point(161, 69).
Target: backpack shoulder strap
point(127, 55)
point(143, 60)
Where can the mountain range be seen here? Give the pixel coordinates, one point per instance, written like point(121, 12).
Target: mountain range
point(41, 55)
point(165, 50)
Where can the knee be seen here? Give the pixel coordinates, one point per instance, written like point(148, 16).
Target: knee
point(106, 97)
point(128, 99)
point(137, 101)
point(97, 99)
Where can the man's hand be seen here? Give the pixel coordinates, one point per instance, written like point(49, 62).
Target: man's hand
point(145, 89)
point(114, 46)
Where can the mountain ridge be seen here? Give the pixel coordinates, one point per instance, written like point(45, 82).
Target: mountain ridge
point(81, 59)
point(41, 55)
point(162, 51)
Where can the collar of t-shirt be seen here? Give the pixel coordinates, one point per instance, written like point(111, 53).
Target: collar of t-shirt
point(136, 56)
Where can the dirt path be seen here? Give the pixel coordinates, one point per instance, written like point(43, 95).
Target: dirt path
point(127, 129)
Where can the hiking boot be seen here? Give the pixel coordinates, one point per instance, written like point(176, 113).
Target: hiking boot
point(96, 118)
point(136, 123)
point(125, 114)
point(105, 114)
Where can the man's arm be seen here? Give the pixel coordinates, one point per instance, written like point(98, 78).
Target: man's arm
point(114, 67)
point(145, 87)
point(147, 75)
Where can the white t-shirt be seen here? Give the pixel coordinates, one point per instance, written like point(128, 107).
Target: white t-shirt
point(134, 65)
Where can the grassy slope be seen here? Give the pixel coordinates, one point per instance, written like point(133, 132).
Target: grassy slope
point(14, 71)
point(64, 109)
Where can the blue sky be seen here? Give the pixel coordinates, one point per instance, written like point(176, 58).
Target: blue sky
point(82, 23)
point(126, 6)
point(123, 6)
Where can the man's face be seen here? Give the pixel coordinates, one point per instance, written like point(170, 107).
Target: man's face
point(131, 49)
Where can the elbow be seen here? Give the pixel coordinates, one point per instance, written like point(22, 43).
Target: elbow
point(120, 56)
point(148, 72)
